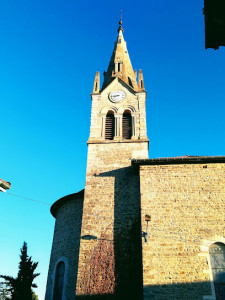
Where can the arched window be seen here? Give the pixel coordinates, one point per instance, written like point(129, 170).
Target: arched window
point(110, 125)
point(59, 281)
point(217, 258)
point(127, 125)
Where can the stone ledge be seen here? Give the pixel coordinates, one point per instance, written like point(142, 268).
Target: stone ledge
point(101, 141)
point(136, 163)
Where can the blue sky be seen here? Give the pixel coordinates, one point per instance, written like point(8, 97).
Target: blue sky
point(49, 53)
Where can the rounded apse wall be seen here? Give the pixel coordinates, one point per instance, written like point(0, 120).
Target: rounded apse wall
point(66, 242)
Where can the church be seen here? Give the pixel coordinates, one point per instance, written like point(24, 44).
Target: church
point(142, 228)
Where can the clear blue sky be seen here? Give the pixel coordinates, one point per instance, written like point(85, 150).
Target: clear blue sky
point(49, 53)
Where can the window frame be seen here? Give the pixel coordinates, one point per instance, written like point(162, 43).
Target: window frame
point(127, 111)
point(110, 112)
point(212, 265)
point(64, 260)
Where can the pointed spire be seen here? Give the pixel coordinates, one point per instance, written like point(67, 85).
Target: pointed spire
point(96, 87)
point(120, 64)
point(120, 22)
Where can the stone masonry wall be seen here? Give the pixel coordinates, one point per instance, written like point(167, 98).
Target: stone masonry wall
point(65, 247)
point(110, 257)
point(186, 203)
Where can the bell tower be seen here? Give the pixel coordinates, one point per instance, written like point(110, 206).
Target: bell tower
point(120, 96)
point(110, 246)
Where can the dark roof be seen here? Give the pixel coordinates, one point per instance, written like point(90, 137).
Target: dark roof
point(177, 160)
point(64, 199)
point(214, 11)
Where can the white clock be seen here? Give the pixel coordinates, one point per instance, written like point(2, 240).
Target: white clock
point(117, 96)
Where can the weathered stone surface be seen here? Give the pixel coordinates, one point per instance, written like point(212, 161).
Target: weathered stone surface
point(186, 203)
point(112, 210)
point(185, 200)
point(65, 246)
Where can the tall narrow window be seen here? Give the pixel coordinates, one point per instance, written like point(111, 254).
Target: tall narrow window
point(127, 125)
point(59, 281)
point(217, 258)
point(120, 66)
point(109, 126)
point(130, 82)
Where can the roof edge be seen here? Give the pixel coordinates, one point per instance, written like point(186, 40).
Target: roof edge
point(55, 206)
point(177, 160)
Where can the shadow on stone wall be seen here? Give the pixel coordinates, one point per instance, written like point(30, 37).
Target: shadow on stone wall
point(96, 297)
point(178, 291)
point(127, 234)
point(126, 253)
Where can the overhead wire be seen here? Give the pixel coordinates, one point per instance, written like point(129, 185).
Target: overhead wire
point(30, 199)
point(171, 237)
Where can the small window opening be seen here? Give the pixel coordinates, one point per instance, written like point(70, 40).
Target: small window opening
point(127, 125)
point(130, 82)
point(217, 258)
point(96, 85)
point(119, 67)
point(141, 83)
point(59, 281)
point(119, 41)
point(110, 125)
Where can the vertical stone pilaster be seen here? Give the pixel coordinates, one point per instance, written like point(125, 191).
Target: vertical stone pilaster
point(133, 126)
point(103, 126)
point(118, 131)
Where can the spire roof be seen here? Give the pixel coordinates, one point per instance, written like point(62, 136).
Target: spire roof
point(120, 64)
point(120, 22)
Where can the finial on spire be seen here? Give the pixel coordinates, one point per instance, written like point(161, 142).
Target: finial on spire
point(120, 22)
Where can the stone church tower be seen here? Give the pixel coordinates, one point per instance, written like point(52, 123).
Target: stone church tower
point(102, 255)
point(111, 209)
point(142, 228)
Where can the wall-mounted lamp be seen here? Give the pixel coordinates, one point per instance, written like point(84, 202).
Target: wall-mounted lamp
point(145, 234)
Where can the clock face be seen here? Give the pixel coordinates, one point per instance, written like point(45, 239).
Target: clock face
point(117, 96)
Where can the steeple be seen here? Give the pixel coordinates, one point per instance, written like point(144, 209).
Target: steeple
point(120, 64)
point(118, 107)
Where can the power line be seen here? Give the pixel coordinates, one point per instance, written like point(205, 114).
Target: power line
point(180, 239)
point(28, 198)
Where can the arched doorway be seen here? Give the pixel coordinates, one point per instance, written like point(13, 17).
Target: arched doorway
point(217, 258)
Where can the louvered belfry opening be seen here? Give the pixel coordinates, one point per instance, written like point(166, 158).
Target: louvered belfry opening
point(109, 125)
point(127, 125)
